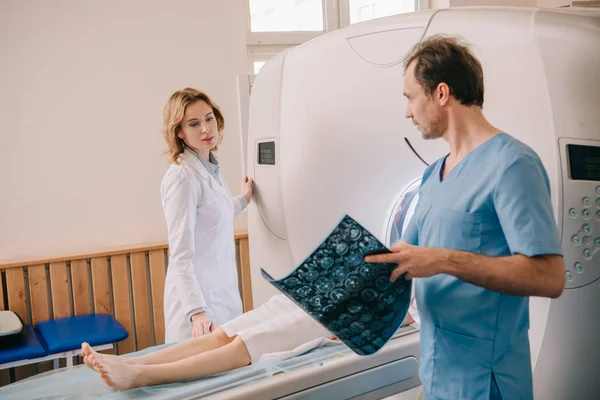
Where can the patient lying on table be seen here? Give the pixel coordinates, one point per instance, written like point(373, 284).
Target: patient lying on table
point(278, 325)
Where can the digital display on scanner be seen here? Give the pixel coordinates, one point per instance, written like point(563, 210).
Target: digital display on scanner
point(266, 153)
point(584, 162)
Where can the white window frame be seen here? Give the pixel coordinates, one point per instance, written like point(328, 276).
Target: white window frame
point(330, 21)
point(262, 46)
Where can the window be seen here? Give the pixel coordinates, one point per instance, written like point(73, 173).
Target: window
point(364, 10)
point(286, 15)
point(275, 25)
point(257, 66)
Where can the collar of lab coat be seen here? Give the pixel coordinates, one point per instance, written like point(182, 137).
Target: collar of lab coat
point(195, 163)
point(191, 159)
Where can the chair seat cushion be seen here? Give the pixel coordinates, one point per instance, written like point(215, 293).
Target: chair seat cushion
point(64, 334)
point(24, 345)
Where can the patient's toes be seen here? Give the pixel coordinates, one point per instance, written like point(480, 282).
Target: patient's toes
point(88, 362)
point(86, 350)
point(96, 365)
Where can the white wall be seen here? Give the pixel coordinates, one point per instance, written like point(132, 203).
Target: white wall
point(82, 87)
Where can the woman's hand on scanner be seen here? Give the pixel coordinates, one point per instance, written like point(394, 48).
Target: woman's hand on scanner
point(248, 188)
point(201, 324)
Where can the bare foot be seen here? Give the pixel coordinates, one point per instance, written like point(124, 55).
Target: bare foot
point(117, 375)
point(87, 351)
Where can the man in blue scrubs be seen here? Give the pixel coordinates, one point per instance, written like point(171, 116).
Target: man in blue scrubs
point(483, 237)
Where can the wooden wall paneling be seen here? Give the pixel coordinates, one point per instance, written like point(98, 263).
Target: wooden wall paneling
point(59, 284)
point(101, 285)
point(101, 289)
point(2, 305)
point(245, 274)
point(157, 277)
point(80, 281)
point(40, 308)
point(141, 300)
point(5, 373)
point(121, 292)
point(17, 303)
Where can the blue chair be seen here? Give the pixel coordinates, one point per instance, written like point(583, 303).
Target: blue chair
point(60, 338)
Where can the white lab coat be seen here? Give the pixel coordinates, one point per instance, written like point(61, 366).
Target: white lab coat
point(202, 270)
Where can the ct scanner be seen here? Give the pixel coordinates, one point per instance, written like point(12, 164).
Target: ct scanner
point(327, 137)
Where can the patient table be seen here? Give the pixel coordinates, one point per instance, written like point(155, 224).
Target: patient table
point(332, 372)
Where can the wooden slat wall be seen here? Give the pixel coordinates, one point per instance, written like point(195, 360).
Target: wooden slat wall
point(127, 283)
point(80, 285)
point(123, 314)
point(158, 273)
point(101, 285)
point(141, 300)
point(40, 308)
point(60, 290)
point(80, 281)
point(243, 263)
point(17, 302)
point(4, 374)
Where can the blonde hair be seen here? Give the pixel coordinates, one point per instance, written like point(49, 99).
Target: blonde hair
point(173, 116)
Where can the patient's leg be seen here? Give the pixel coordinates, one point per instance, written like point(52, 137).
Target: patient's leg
point(179, 351)
point(121, 376)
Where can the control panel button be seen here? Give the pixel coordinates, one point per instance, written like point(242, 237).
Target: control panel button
point(598, 202)
point(587, 241)
point(597, 242)
point(586, 201)
point(598, 189)
point(598, 215)
point(573, 213)
point(587, 253)
point(575, 239)
point(587, 214)
point(587, 228)
point(569, 276)
point(579, 267)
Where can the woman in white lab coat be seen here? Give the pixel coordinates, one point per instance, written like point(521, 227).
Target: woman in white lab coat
point(201, 288)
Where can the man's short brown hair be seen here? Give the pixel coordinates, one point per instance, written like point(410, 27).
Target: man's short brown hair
point(445, 59)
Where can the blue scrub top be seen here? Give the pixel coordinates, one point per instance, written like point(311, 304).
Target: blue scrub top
point(496, 202)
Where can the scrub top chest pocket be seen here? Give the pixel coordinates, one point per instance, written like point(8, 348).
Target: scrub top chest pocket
point(458, 230)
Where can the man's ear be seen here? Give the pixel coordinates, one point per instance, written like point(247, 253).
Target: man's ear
point(443, 93)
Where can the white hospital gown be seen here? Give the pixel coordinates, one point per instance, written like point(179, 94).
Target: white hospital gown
point(278, 326)
point(279, 329)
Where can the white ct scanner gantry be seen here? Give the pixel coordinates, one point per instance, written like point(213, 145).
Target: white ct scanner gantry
point(327, 137)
